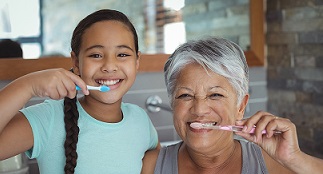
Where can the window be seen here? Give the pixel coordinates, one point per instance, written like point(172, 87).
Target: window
point(20, 20)
point(165, 28)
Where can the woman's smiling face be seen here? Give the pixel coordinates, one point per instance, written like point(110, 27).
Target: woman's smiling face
point(204, 97)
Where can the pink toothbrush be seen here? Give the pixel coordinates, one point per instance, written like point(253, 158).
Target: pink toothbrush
point(197, 125)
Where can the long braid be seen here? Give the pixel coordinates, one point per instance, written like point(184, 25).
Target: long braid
point(72, 131)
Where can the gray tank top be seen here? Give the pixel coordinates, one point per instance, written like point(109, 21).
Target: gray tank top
point(252, 159)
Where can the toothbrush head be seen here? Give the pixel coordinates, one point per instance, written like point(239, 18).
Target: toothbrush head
point(104, 88)
point(196, 125)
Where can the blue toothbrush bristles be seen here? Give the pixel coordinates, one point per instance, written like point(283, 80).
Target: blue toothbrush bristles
point(104, 88)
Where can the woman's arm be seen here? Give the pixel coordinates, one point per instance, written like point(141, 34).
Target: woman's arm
point(304, 163)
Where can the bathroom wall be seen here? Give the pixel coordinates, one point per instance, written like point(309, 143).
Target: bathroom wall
point(295, 67)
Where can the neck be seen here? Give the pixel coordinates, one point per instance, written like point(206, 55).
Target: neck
point(218, 161)
point(110, 113)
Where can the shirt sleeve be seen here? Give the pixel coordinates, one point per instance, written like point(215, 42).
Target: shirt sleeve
point(40, 117)
point(153, 135)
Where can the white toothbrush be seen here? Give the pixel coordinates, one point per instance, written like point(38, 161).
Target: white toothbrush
point(233, 128)
point(101, 88)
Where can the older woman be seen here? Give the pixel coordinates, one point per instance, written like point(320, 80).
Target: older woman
point(207, 82)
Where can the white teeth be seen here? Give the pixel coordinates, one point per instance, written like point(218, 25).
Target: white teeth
point(198, 125)
point(209, 124)
point(108, 82)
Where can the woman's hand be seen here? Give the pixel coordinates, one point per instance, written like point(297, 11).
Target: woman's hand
point(283, 147)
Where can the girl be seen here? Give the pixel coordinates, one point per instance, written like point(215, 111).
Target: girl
point(102, 134)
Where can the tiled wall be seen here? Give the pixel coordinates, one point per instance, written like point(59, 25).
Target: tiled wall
point(295, 68)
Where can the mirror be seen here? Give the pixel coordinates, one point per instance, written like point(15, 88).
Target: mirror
point(58, 37)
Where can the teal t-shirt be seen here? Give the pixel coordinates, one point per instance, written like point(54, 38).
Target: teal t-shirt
point(102, 147)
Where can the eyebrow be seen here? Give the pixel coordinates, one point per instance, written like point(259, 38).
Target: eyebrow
point(216, 87)
point(183, 87)
point(125, 46)
point(100, 46)
point(213, 87)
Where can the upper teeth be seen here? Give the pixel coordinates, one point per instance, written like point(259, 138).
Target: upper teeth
point(108, 82)
point(209, 124)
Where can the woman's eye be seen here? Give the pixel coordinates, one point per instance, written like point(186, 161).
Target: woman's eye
point(215, 96)
point(95, 56)
point(185, 97)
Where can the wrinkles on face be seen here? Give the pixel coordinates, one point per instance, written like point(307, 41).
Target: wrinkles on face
point(202, 96)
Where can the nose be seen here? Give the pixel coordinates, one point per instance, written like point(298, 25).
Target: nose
point(200, 107)
point(109, 64)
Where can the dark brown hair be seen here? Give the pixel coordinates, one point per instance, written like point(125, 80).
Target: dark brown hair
point(70, 108)
point(10, 49)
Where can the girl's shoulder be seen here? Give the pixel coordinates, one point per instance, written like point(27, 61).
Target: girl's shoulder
point(47, 104)
point(132, 108)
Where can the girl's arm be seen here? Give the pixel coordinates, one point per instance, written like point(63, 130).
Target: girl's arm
point(149, 161)
point(15, 131)
point(282, 147)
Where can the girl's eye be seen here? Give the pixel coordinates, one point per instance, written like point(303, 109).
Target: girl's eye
point(95, 56)
point(185, 97)
point(123, 55)
point(215, 96)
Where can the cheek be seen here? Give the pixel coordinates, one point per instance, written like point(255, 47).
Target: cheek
point(180, 115)
point(129, 68)
point(179, 125)
point(84, 67)
point(85, 71)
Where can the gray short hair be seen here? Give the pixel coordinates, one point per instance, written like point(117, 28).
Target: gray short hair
point(216, 54)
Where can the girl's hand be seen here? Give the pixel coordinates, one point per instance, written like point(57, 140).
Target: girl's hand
point(54, 83)
point(283, 147)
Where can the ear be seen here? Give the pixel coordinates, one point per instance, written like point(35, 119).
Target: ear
point(75, 62)
point(242, 107)
point(138, 60)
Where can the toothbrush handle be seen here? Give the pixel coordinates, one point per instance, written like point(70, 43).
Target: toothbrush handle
point(88, 87)
point(239, 129)
point(253, 131)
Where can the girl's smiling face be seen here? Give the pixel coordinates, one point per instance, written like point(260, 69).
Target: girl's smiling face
point(207, 98)
point(107, 57)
